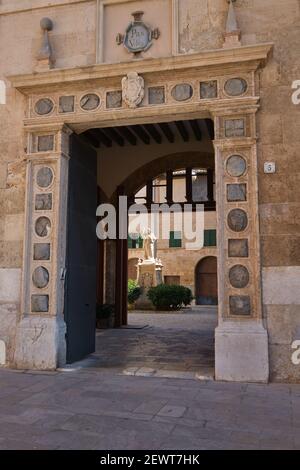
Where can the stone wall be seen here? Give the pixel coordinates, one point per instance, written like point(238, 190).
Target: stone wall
point(201, 24)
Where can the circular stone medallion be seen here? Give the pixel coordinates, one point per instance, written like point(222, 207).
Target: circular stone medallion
point(40, 277)
point(236, 87)
point(44, 106)
point(237, 220)
point(44, 177)
point(90, 102)
point(42, 226)
point(239, 276)
point(236, 166)
point(182, 92)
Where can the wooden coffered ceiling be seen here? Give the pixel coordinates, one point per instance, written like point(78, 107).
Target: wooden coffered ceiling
point(146, 134)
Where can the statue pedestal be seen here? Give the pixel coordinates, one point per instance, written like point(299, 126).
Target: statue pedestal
point(149, 275)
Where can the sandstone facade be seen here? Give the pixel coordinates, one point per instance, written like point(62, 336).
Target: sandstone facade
point(192, 31)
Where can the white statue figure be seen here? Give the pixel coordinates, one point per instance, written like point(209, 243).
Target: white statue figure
point(149, 245)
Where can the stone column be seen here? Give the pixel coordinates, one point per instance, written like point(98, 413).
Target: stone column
point(40, 338)
point(241, 339)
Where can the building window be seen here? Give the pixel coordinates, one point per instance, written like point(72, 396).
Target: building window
point(175, 240)
point(180, 186)
point(135, 241)
point(210, 238)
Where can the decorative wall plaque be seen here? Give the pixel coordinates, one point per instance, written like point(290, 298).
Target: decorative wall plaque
point(240, 305)
point(90, 102)
point(43, 202)
point(182, 92)
point(239, 276)
point(41, 251)
point(40, 277)
point(66, 104)
point(237, 220)
point(209, 90)
point(114, 99)
point(45, 143)
point(235, 86)
point(44, 106)
point(43, 226)
point(156, 95)
point(238, 248)
point(44, 177)
point(139, 36)
point(236, 192)
point(236, 166)
point(39, 303)
point(133, 89)
point(234, 128)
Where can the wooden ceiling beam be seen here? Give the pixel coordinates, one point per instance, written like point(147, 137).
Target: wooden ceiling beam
point(127, 134)
point(151, 129)
point(182, 130)
point(114, 136)
point(167, 132)
point(196, 129)
point(89, 138)
point(141, 133)
point(98, 134)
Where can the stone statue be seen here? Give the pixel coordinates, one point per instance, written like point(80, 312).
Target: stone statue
point(149, 245)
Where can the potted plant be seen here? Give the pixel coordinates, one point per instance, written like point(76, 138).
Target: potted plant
point(105, 316)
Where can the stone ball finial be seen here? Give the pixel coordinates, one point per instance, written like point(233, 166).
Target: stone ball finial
point(46, 24)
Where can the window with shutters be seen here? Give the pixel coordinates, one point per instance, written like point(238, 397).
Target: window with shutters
point(210, 238)
point(175, 240)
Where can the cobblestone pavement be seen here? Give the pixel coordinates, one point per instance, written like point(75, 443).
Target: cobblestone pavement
point(104, 410)
point(164, 344)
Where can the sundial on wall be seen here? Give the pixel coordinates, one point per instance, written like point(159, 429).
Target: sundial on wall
point(139, 36)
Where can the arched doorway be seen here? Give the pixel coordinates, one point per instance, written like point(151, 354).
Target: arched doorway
point(206, 281)
point(132, 268)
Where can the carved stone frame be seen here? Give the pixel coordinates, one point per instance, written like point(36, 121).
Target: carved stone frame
point(100, 26)
point(241, 339)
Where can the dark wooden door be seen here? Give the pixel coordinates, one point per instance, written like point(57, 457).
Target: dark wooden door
point(81, 274)
point(207, 281)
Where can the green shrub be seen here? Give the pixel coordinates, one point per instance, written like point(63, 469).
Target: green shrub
point(134, 291)
point(104, 311)
point(167, 297)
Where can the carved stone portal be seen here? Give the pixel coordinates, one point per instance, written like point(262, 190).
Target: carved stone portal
point(133, 89)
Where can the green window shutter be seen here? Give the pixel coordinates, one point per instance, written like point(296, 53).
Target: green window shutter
point(175, 240)
point(213, 238)
point(210, 238)
point(133, 243)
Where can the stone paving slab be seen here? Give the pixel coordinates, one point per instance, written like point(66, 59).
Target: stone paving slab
point(173, 344)
point(85, 409)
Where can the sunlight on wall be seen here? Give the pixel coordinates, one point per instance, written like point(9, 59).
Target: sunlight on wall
point(2, 92)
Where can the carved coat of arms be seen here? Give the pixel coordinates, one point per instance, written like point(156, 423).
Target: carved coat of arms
point(133, 89)
point(139, 36)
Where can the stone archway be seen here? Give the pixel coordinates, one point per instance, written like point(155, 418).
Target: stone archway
point(48, 129)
